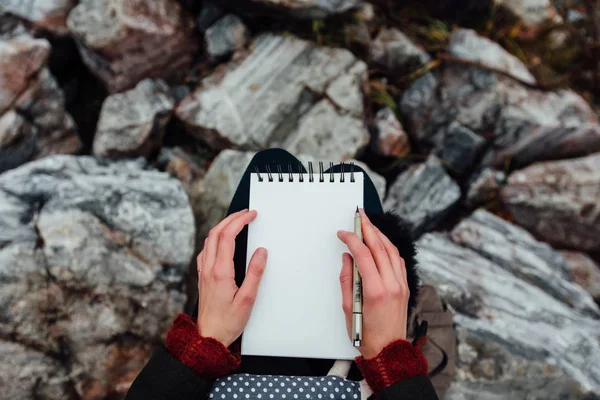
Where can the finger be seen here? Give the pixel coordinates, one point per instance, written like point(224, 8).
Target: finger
point(378, 250)
point(199, 264)
point(226, 247)
point(364, 260)
point(212, 241)
point(396, 259)
point(246, 295)
point(346, 281)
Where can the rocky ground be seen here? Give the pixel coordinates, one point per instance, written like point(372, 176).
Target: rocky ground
point(125, 126)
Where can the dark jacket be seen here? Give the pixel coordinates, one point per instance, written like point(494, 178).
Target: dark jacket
point(164, 377)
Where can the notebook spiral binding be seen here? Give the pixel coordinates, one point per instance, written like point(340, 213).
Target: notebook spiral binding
point(311, 174)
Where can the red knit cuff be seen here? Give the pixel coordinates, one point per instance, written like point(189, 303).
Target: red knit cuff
point(398, 361)
point(206, 356)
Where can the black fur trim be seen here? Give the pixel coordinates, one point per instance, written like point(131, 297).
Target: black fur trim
point(392, 226)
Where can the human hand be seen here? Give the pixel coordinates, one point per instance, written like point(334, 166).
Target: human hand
point(385, 289)
point(223, 308)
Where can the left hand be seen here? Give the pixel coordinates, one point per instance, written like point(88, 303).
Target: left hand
point(223, 308)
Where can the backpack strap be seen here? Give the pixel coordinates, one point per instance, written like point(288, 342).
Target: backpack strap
point(420, 331)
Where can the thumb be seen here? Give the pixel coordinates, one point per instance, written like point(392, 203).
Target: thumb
point(247, 292)
point(346, 282)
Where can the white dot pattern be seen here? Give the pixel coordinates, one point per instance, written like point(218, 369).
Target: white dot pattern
point(254, 387)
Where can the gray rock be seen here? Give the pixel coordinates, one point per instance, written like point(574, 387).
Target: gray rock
point(29, 374)
point(132, 123)
point(218, 187)
point(47, 14)
point(466, 44)
point(302, 9)
point(558, 201)
point(520, 125)
point(584, 271)
point(485, 187)
point(397, 53)
point(459, 148)
point(303, 98)
point(92, 258)
point(123, 44)
point(538, 388)
point(532, 13)
point(515, 250)
point(514, 330)
point(423, 195)
point(33, 120)
point(226, 36)
point(392, 140)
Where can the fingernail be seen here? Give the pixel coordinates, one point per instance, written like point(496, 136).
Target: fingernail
point(340, 232)
point(361, 211)
point(261, 253)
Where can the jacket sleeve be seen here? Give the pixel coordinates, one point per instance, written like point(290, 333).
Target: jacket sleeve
point(164, 377)
point(416, 388)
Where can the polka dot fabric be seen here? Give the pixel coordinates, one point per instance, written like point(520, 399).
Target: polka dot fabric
point(267, 387)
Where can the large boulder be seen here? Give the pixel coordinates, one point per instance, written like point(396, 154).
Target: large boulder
point(33, 120)
point(93, 258)
point(286, 93)
point(467, 45)
point(513, 337)
point(125, 41)
point(515, 250)
point(226, 36)
point(391, 139)
point(132, 123)
point(396, 53)
point(558, 201)
point(423, 195)
point(50, 15)
point(518, 125)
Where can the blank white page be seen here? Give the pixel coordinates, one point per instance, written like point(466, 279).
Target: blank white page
point(298, 309)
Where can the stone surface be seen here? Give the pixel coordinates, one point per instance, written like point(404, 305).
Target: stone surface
point(303, 9)
point(558, 201)
point(395, 52)
point(520, 125)
point(29, 374)
point(485, 187)
point(132, 123)
point(515, 250)
point(532, 13)
point(423, 195)
point(92, 258)
point(218, 187)
point(466, 44)
point(392, 140)
point(33, 120)
point(226, 36)
point(508, 329)
point(584, 271)
point(459, 148)
point(46, 14)
point(125, 41)
point(303, 98)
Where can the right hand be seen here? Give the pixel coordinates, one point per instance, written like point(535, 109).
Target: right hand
point(385, 289)
point(223, 308)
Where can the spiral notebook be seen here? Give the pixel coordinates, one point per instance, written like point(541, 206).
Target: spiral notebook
point(298, 309)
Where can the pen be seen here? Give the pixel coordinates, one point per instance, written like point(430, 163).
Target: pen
point(357, 291)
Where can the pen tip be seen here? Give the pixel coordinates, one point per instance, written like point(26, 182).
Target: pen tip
point(357, 209)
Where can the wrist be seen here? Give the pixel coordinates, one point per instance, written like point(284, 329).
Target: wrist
point(397, 361)
point(206, 356)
